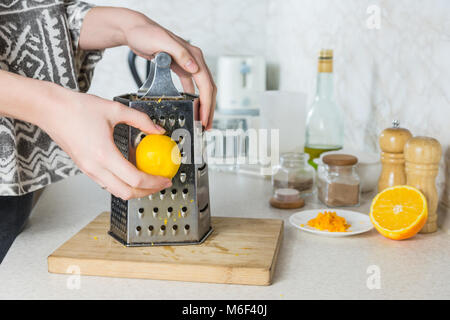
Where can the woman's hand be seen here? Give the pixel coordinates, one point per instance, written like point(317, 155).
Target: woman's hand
point(106, 27)
point(82, 125)
point(189, 63)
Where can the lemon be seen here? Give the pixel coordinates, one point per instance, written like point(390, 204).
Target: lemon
point(158, 155)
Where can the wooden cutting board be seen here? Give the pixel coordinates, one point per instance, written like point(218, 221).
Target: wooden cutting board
point(239, 251)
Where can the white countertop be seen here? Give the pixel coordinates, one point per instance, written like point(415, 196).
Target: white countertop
point(308, 267)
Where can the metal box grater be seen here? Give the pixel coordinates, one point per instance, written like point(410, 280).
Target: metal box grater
point(181, 214)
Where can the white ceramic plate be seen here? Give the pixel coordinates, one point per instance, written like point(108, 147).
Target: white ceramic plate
point(359, 222)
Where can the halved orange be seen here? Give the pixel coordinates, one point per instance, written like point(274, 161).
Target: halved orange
point(399, 212)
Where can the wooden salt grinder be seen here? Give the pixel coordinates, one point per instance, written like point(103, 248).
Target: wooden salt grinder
point(422, 156)
point(392, 141)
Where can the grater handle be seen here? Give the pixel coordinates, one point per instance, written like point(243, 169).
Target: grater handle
point(146, 86)
point(159, 82)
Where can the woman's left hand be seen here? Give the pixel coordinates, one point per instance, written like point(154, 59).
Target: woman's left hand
point(189, 63)
point(106, 27)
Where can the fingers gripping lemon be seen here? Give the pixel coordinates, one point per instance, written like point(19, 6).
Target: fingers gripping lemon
point(158, 155)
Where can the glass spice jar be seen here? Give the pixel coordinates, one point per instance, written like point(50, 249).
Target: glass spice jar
point(294, 172)
point(338, 183)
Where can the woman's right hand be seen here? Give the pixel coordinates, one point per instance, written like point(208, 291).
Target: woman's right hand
point(82, 125)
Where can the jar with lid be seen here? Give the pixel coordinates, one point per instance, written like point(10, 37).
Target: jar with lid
point(338, 183)
point(294, 172)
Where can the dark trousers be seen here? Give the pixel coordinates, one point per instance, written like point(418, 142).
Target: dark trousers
point(14, 212)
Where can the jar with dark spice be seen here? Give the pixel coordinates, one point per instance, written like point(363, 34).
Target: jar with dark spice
point(294, 172)
point(338, 183)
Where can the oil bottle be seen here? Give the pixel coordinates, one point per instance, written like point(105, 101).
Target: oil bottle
point(324, 123)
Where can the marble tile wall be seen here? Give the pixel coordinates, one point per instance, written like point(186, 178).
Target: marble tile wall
point(396, 69)
point(391, 57)
point(216, 26)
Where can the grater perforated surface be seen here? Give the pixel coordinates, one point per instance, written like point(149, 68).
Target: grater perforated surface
point(177, 215)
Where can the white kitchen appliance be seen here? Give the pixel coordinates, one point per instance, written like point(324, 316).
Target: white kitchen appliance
point(240, 80)
point(285, 111)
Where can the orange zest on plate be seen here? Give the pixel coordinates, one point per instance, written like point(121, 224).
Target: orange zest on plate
point(329, 221)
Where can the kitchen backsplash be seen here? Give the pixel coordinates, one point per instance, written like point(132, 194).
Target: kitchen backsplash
point(391, 57)
point(216, 26)
point(395, 69)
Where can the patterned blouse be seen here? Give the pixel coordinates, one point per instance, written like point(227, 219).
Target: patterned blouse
point(39, 39)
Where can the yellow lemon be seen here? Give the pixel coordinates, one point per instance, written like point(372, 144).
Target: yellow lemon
point(158, 155)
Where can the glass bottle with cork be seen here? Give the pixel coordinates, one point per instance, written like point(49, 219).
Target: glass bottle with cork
point(324, 123)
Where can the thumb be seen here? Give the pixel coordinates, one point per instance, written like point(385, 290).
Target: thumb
point(139, 120)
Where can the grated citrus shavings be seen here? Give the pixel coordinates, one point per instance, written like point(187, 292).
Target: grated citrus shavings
point(329, 221)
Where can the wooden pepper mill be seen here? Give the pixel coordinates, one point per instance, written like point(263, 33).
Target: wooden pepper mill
point(422, 156)
point(392, 142)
